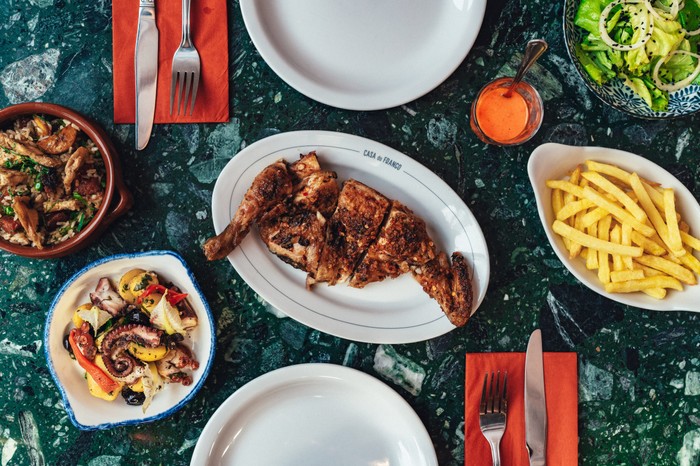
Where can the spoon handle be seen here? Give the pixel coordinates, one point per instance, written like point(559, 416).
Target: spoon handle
point(534, 50)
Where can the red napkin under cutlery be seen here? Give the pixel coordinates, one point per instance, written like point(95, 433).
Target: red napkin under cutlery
point(561, 391)
point(209, 30)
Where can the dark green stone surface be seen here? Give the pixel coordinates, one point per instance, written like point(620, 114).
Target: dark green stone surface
point(639, 370)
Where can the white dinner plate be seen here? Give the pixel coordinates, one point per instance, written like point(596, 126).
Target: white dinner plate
point(363, 54)
point(392, 311)
point(314, 415)
point(554, 161)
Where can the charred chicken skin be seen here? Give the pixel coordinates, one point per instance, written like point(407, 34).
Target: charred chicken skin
point(351, 230)
point(353, 235)
point(403, 243)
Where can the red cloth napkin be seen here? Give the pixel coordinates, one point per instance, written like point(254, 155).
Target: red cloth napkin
point(209, 31)
point(561, 391)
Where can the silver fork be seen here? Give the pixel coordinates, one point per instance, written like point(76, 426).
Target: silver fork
point(186, 65)
point(492, 413)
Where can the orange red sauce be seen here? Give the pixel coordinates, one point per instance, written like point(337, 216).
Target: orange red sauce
point(501, 118)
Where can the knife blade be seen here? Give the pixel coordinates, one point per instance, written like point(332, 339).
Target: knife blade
point(146, 70)
point(535, 401)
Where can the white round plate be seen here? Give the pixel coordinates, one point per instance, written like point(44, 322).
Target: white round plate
point(314, 415)
point(392, 311)
point(88, 412)
point(554, 161)
point(363, 54)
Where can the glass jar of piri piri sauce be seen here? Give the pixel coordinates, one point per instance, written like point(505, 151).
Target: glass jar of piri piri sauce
point(505, 120)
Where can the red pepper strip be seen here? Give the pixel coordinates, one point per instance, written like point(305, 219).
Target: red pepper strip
point(173, 297)
point(98, 375)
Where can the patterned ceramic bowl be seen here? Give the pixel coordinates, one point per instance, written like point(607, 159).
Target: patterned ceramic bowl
point(681, 103)
point(90, 413)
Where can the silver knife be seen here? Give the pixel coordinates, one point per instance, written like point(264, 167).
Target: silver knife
point(146, 70)
point(535, 402)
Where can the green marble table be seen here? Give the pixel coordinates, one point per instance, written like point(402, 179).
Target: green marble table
point(639, 371)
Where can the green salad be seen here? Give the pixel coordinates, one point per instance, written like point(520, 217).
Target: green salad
point(651, 45)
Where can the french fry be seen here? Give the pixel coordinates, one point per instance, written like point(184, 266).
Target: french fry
point(658, 293)
point(648, 271)
point(557, 205)
point(573, 208)
point(691, 241)
point(649, 245)
point(626, 240)
point(590, 242)
point(607, 169)
point(592, 257)
point(655, 195)
point(622, 215)
point(668, 267)
point(566, 186)
point(615, 237)
point(574, 178)
point(594, 216)
point(649, 208)
point(603, 262)
point(631, 286)
point(674, 235)
point(691, 262)
point(618, 276)
point(619, 195)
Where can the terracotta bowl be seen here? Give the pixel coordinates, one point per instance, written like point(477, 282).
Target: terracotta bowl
point(117, 199)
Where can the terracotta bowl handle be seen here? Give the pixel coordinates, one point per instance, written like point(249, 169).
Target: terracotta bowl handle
point(126, 200)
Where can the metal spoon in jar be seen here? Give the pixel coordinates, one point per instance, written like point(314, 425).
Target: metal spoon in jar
point(534, 50)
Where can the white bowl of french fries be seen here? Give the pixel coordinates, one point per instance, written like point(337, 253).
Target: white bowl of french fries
point(622, 225)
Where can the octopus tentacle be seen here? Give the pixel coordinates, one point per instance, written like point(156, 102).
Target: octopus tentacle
point(118, 361)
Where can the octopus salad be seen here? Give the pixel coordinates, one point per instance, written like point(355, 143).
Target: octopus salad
point(131, 340)
point(52, 181)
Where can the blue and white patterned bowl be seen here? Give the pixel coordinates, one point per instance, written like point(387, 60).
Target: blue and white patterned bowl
point(88, 412)
point(681, 103)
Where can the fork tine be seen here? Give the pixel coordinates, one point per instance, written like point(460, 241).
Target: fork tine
point(504, 397)
point(497, 393)
point(195, 85)
point(482, 405)
point(179, 93)
point(173, 83)
point(188, 81)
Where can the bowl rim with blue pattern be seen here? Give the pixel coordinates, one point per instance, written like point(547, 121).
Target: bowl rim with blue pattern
point(615, 93)
point(89, 413)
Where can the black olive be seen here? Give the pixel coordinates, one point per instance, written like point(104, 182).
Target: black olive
point(133, 398)
point(135, 316)
point(171, 341)
point(67, 346)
